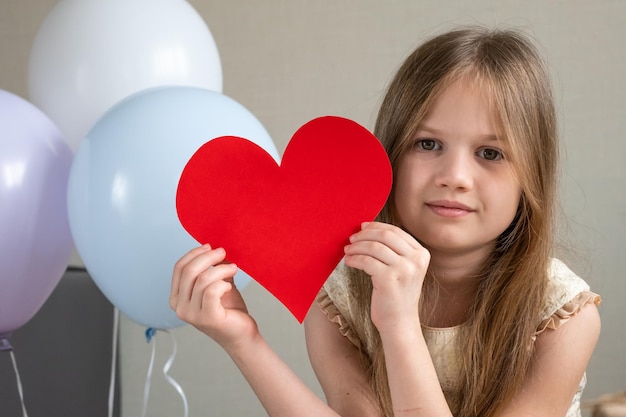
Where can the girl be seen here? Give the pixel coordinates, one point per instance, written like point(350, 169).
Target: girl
point(448, 304)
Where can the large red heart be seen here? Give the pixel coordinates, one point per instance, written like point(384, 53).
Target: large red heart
point(286, 225)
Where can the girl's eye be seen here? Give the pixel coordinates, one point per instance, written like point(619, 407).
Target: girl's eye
point(427, 145)
point(490, 154)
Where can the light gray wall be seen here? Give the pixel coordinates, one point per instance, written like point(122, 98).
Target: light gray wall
point(291, 61)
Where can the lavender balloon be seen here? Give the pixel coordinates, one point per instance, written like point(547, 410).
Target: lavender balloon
point(35, 240)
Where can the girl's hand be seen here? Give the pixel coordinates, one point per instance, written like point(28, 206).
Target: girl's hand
point(204, 295)
point(397, 264)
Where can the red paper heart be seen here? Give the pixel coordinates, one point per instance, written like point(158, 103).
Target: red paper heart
point(286, 225)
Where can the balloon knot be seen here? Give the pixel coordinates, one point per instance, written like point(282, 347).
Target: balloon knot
point(150, 332)
point(5, 346)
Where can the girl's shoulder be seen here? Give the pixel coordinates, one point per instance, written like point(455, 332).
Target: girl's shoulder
point(566, 295)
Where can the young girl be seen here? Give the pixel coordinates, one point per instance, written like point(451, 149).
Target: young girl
point(450, 303)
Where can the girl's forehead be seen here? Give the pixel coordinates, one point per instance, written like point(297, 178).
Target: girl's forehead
point(463, 106)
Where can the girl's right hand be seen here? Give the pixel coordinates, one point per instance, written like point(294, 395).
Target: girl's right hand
point(397, 265)
point(204, 295)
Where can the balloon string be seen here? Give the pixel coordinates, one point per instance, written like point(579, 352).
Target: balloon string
point(19, 384)
point(171, 380)
point(146, 392)
point(150, 333)
point(116, 319)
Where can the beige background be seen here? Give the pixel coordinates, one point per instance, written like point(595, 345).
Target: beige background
point(291, 61)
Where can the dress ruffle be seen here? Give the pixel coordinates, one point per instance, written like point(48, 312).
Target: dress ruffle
point(334, 315)
point(568, 310)
point(556, 320)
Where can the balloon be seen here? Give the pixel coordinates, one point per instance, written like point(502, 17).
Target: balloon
point(89, 54)
point(35, 240)
point(122, 192)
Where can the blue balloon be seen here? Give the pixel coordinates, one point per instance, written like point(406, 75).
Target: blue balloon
point(122, 192)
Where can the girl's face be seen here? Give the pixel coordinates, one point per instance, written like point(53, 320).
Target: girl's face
point(455, 190)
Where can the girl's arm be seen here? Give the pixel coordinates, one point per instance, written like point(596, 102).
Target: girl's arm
point(203, 294)
point(397, 264)
point(415, 388)
point(560, 359)
point(414, 385)
point(281, 392)
point(339, 367)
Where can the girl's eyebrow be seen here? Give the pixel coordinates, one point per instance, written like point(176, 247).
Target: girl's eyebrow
point(437, 132)
point(424, 128)
point(430, 130)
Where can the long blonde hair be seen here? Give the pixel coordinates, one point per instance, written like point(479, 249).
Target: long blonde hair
point(498, 339)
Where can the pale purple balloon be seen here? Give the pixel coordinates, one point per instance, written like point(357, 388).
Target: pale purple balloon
point(35, 239)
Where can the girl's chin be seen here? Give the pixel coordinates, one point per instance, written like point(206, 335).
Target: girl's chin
point(457, 248)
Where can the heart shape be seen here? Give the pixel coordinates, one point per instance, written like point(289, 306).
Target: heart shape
point(286, 226)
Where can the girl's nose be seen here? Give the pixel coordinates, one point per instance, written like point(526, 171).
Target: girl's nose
point(455, 171)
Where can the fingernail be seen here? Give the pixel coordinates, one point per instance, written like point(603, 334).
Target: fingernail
point(364, 224)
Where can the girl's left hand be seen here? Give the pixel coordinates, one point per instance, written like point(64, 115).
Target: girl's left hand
point(204, 295)
point(397, 264)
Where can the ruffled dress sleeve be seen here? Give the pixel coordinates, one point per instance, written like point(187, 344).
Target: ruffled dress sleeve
point(334, 300)
point(567, 294)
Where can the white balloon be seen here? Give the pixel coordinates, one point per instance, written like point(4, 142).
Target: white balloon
point(90, 54)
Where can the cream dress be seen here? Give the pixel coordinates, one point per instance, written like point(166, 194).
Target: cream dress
point(566, 295)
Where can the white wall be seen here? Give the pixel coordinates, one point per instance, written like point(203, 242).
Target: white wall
point(291, 61)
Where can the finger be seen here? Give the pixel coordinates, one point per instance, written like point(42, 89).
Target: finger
point(390, 236)
point(219, 273)
point(400, 232)
point(368, 264)
point(380, 245)
point(180, 264)
point(199, 313)
point(196, 266)
point(372, 248)
point(210, 303)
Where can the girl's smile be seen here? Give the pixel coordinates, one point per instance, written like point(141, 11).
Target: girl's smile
point(450, 209)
